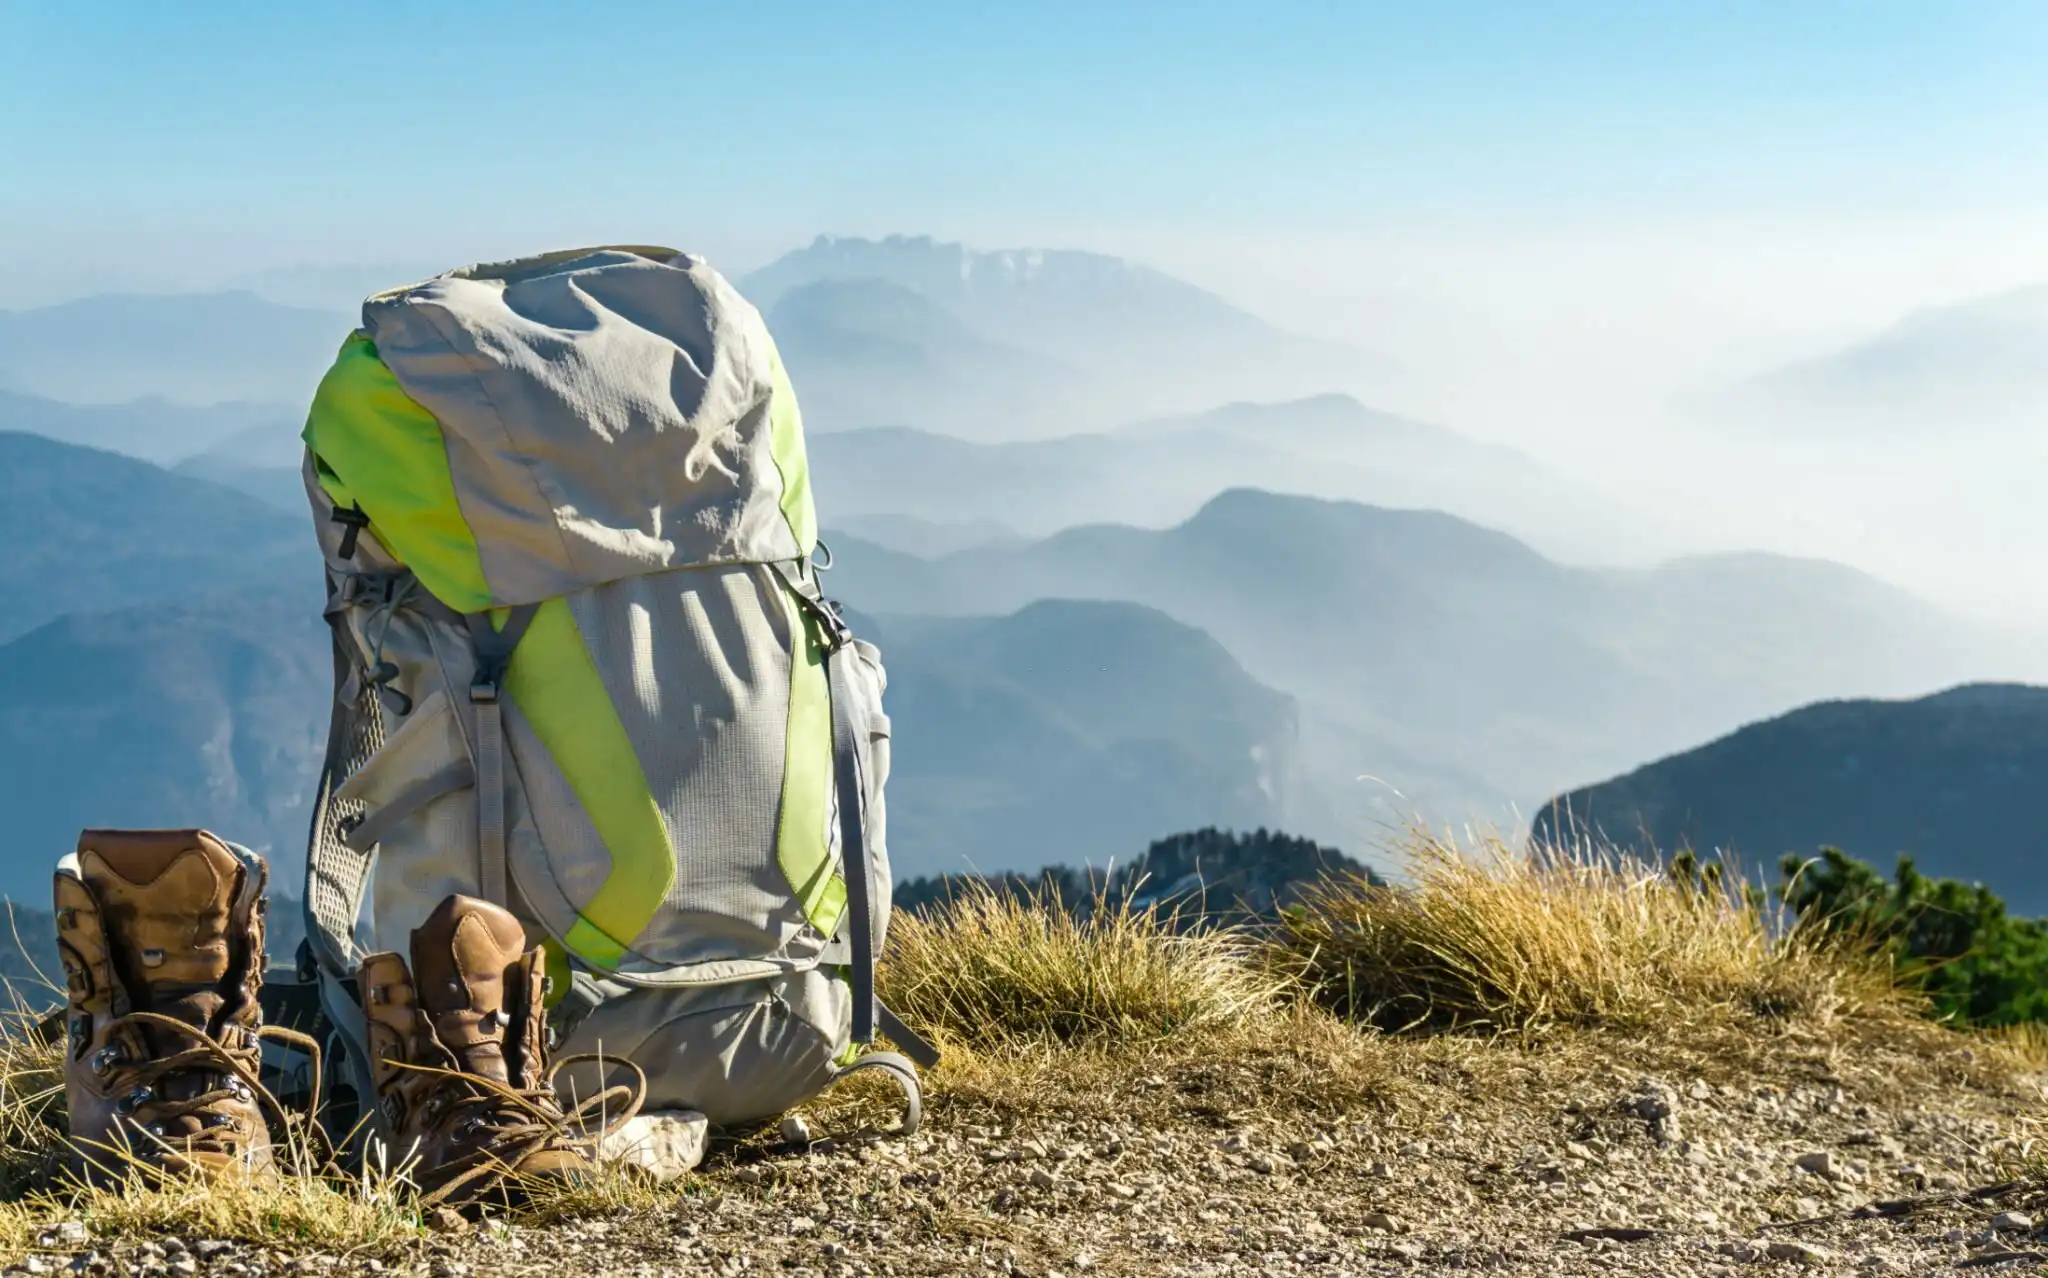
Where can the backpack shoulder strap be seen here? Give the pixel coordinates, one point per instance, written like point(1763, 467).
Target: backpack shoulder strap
point(856, 865)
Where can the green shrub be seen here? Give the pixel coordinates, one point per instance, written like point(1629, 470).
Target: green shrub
point(1952, 940)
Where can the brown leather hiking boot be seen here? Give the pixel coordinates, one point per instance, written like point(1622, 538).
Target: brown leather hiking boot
point(161, 937)
point(459, 1058)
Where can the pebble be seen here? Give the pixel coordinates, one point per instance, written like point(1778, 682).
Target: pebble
point(1819, 1163)
point(1380, 1221)
point(2012, 1222)
point(447, 1220)
point(795, 1130)
point(1798, 1253)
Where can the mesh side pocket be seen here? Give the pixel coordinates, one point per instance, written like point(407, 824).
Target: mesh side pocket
point(337, 875)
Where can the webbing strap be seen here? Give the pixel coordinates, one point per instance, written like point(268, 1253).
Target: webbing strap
point(854, 864)
point(913, 1043)
point(904, 1073)
point(494, 648)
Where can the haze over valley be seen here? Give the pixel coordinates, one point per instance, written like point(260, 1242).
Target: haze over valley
point(1140, 560)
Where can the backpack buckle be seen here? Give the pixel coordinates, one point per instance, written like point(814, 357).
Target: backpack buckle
point(353, 521)
point(483, 690)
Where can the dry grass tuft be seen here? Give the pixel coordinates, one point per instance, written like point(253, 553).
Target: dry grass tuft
point(1495, 941)
point(995, 970)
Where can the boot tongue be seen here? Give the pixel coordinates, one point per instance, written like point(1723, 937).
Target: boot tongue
point(167, 897)
point(463, 959)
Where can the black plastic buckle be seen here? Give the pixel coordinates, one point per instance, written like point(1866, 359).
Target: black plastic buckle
point(353, 521)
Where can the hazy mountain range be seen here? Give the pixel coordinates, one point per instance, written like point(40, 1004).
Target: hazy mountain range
point(1159, 472)
point(909, 331)
point(1977, 363)
point(1069, 731)
point(201, 348)
point(87, 531)
point(1954, 779)
point(1443, 654)
point(1141, 561)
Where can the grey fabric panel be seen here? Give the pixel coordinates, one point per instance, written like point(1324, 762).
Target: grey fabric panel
point(375, 827)
point(606, 414)
point(736, 1053)
point(697, 664)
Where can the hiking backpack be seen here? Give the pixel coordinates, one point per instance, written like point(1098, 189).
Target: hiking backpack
point(583, 668)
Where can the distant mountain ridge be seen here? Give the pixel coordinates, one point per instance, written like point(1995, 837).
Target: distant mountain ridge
point(1056, 341)
point(192, 348)
point(1977, 363)
point(1162, 470)
point(163, 662)
point(1954, 778)
point(88, 530)
point(152, 429)
point(1445, 653)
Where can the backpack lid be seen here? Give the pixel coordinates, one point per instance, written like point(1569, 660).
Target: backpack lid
point(520, 430)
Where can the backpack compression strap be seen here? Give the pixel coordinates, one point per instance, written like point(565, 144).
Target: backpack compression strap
point(494, 649)
point(856, 865)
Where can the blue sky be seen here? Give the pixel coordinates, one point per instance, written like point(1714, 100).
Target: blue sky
point(1558, 216)
point(323, 132)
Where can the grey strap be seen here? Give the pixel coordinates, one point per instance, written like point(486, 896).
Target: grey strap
point(494, 649)
point(913, 1043)
point(905, 1075)
point(856, 864)
point(855, 867)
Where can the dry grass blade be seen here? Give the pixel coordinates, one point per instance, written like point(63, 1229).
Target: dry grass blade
point(994, 970)
point(1495, 940)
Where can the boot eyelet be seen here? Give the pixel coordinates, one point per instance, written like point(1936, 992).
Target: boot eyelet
point(106, 1058)
point(135, 1100)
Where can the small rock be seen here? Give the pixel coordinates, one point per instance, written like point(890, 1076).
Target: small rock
point(174, 1246)
point(665, 1144)
point(1261, 1164)
point(1380, 1221)
point(1381, 1171)
point(1741, 1251)
point(1798, 1253)
point(184, 1263)
point(1232, 1144)
point(748, 1175)
point(795, 1130)
point(447, 1220)
point(37, 1265)
point(2012, 1222)
point(1820, 1163)
point(212, 1248)
point(1044, 1178)
point(65, 1233)
point(835, 1250)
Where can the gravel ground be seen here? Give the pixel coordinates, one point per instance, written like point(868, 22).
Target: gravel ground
point(1505, 1161)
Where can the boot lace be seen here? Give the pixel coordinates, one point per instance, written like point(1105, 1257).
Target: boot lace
point(149, 1114)
point(512, 1124)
